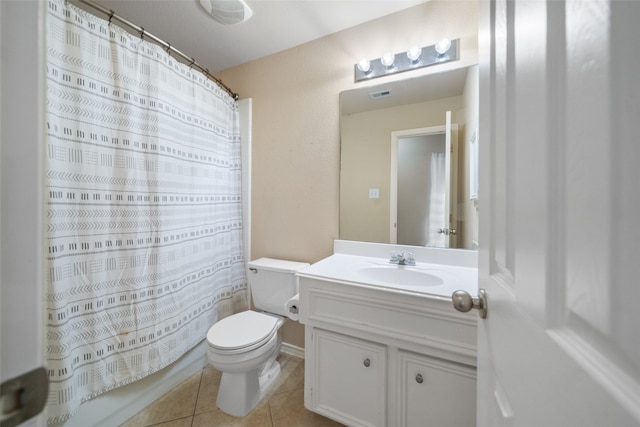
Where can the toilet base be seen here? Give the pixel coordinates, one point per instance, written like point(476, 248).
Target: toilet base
point(268, 374)
point(239, 393)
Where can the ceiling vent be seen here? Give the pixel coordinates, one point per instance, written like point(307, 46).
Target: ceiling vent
point(380, 94)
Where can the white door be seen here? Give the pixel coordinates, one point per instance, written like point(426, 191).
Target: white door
point(559, 212)
point(21, 211)
point(451, 182)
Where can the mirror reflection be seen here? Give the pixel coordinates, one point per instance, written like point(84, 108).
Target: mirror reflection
point(408, 161)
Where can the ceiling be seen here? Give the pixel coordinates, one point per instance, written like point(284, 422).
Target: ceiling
point(276, 25)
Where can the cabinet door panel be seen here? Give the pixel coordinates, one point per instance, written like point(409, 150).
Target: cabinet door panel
point(350, 379)
point(434, 392)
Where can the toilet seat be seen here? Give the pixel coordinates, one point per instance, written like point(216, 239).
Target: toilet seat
point(242, 332)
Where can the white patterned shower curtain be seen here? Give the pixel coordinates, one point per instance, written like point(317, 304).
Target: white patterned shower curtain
point(437, 199)
point(143, 201)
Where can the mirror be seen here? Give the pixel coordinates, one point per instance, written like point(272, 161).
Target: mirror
point(381, 198)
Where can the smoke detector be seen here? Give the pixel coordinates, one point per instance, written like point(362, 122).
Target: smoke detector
point(227, 11)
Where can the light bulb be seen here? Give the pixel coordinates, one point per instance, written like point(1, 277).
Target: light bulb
point(364, 65)
point(443, 46)
point(414, 53)
point(387, 59)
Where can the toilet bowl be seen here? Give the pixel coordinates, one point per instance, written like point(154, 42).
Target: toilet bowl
point(244, 346)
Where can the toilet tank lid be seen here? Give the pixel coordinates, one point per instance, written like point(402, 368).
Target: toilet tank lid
point(277, 265)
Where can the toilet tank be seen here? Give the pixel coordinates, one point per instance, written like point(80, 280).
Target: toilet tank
point(272, 282)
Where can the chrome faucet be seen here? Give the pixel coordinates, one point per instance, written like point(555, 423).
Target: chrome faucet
point(401, 259)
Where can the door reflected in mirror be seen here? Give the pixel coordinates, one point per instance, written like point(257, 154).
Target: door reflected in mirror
point(394, 187)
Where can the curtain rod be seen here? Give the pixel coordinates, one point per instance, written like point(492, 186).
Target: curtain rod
point(167, 46)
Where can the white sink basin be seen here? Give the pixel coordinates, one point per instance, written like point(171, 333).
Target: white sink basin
point(424, 278)
point(401, 275)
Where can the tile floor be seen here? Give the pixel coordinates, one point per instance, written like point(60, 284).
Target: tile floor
point(193, 403)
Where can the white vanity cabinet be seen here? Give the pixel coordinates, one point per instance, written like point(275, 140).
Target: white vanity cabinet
point(380, 357)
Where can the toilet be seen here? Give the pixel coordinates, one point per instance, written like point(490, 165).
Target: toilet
point(244, 346)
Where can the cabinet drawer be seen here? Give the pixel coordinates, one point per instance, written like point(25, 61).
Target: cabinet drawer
point(435, 392)
point(416, 319)
point(350, 379)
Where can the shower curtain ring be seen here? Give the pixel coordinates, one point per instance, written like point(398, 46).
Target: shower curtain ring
point(141, 33)
point(193, 61)
point(168, 48)
point(111, 13)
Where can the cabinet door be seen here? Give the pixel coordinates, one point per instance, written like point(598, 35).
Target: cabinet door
point(434, 392)
point(349, 379)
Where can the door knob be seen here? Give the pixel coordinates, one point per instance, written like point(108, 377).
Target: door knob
point(464, 302)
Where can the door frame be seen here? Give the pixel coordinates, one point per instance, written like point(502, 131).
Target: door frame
point(22, 136)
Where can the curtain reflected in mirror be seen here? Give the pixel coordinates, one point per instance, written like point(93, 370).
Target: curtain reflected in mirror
point(436, 219)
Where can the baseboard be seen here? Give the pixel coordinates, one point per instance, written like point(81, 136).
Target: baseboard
point(292, 350)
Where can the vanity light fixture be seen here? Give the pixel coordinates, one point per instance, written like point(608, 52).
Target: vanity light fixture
point(444, 50)
point(388, 59)
point(443, 46)
point(364, 65)
point(414, 53)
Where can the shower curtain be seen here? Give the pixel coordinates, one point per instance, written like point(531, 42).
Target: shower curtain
point(437, 199)
point(143, 202)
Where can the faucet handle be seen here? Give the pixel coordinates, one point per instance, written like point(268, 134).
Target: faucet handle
point(393, 257)
point(410, 258)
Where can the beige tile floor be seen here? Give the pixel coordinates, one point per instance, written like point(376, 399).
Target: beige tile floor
point(193, 403)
